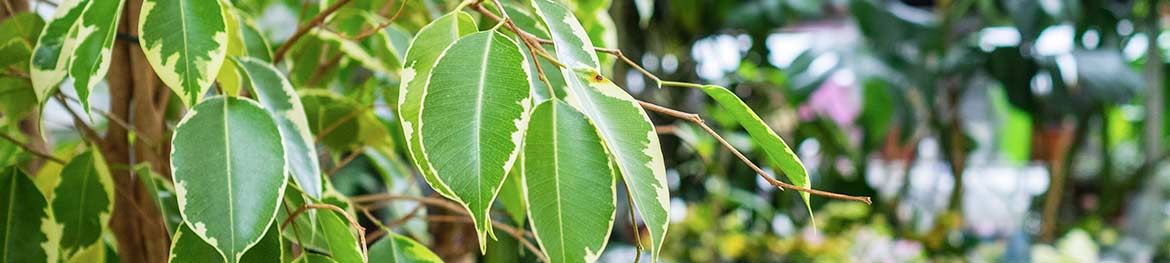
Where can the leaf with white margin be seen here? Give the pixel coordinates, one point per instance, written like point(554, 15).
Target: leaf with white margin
point(473, 118)
point(188, 247)
point(54, 47)
point(82, 202)
point(570, 184)
point(777, 150)
point(424, 51)
point(632, 141)
point(23, 214)
point(395, 248)
point(229, 187)
point(91, 58)
point(278, 97)
point(185, 42)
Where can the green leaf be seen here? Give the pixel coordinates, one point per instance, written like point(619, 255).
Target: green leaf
point(340, 239)
point(16, 98)
point(188, 247)
point(424, 51)
point(473, 118)
point(228, 186)
point(54, 48)
point(24, 212)
point(163, 195)
point(18, 36)
point(525, 21)
point(314, 258)
point(569, 38)
point(185, 42)
point(397, 248)
point(91, 58)
point(570, 184)
point(304, 229)
point(778, 151)
point(512, 194)
point(278, 97)
point(632, 142)
point(269, 249)
point(82, 202)
point(229, 78)
point(337, 115)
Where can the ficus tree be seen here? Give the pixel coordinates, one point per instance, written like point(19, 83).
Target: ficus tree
point(217, 144)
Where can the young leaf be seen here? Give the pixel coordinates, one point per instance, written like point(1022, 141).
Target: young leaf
point(186, 58)
point(82, 202)
point(23, 213)
point(772, 144)
point(229, 169)
point(91, 58)
point(473, 118)
point(424, 51)
point(278, 97)
point(54, 47)
point(339, 237)
point(512, 194)
point(163, 194)
point(395, 248)
point(570, 184)
point(632, 142)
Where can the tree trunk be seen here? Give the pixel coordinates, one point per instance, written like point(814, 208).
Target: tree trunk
point(136, 95)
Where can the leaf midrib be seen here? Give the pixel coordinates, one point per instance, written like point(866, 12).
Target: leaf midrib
point(228, 169)
point(557, 181)
point(478, 122)
point(81, 203)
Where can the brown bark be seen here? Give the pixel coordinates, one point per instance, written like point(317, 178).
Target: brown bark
point(135, 94)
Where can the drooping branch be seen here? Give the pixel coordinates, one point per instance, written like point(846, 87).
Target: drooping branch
point(694, 118)
point(31, 150)
point(529, 38)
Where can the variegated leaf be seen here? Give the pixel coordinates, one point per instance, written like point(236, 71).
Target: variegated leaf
point(185, 42)
point(570, 184)
point(24, 214)
point(163, 195)
point(82, 202)
point(473, 118)
point(54, 48)
point(230, 172)
point(424, 51)
point(778, 151)
point(632, 141)
point(91, 58)
point(278, 97)
point(395, 248)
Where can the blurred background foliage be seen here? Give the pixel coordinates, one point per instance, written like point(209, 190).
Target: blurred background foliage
point(984, 130)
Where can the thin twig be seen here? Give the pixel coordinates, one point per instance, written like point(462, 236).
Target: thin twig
point(361, 230)
point(384, 25)
point(118, 121)
point(634, 224)
point(378, 200)
point(512, 231)
point(318, 19)
point(348, 158)
point(86, 131)
point(699, 121)
point(338, 122)
point(30, 149)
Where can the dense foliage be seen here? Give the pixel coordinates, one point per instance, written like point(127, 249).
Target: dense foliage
point(221, 152)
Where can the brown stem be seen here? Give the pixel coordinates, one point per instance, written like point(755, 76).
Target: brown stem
point(348, 158)
point(699, 121)
point(352, 221)
point(384, 25)
point(303, 29)
point(31, 149)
